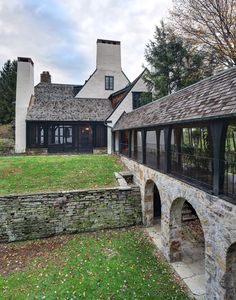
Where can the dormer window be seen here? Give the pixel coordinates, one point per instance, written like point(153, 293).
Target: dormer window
point(109, 82)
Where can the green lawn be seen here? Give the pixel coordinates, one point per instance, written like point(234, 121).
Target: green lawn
point(29, 174)
point(119, 264)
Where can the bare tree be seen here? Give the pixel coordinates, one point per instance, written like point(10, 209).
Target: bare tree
point(210, 24)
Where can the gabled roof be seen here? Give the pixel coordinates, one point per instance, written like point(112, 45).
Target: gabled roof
point(55, 91)
point(70, 109)
point(86, 81)
point(212, 97)
point(128, 87)
point(121, 94)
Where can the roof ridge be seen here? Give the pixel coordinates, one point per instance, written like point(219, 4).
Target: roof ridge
point(128, 86)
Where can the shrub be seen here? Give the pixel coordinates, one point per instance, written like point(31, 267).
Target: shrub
point(6, 131)
point(6, 146)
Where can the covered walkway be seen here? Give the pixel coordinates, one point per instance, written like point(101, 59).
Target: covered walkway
point(184, 147)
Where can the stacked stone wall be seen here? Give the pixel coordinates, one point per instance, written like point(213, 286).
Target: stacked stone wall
point(43, 215)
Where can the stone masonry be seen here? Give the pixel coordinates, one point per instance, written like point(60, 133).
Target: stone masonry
point(217, 217)
point(43, 215)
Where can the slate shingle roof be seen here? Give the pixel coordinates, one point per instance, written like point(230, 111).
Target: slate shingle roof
point(211, 97)
point(70, 109)
point(55, 91)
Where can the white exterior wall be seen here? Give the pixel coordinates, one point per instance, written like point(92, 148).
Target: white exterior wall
point(116, 141)
point(108, 64)
point(95, 86)
point(126, 105)
point(109, 138)
point(24, 91)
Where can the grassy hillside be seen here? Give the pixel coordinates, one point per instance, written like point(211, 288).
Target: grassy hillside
point(32, 174)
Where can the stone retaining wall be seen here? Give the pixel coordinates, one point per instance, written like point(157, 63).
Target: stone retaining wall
point(43, 215)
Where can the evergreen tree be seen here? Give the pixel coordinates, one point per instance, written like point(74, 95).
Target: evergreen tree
point(174, 64)
point(8, 92)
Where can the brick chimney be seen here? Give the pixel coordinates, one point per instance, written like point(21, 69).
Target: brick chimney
point(45, 77)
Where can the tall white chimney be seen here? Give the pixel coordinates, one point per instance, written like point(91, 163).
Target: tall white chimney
point(24, 91)
point(108, 55)
point(108, 67)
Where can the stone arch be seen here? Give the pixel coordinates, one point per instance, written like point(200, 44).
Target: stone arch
point(152, 203)
point(176, 226)
point(230, 275)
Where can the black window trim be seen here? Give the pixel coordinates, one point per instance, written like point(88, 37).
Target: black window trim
point(109, 83)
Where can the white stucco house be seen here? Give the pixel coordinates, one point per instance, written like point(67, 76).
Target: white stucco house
point(54, 117)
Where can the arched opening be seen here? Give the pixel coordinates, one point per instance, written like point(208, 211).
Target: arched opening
point(230, 278)
point(193, 248)
point(186, 233)
point(156, 205)
point(187, 244)
point(152, 200)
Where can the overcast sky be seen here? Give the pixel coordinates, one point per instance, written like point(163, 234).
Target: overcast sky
point(60, 35)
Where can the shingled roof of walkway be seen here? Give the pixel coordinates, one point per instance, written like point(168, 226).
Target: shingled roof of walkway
point(212, 97)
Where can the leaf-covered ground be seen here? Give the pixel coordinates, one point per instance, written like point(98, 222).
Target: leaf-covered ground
point(119, 264)
point(30, 174)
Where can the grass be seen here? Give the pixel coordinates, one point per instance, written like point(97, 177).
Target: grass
point(32, 174)
point(108, 265)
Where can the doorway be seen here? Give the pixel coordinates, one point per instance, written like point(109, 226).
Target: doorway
point(85, 138)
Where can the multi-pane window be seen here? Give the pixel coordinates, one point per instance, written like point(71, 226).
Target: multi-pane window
point(37, 133)
point(109, 82)
point(60, 134)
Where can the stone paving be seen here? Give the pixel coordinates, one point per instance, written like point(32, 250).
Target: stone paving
point(191, 268)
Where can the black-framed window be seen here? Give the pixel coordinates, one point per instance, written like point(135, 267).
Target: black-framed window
point(36, 135)
point(60, 134)
point(109, 82)
point(141, 98)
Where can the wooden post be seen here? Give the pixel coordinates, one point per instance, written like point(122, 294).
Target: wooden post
point(158, 148)
point(178, 134)
point(114, 142)
point(144, 138)
point(46, 135)
point(135, 145)
point(167, 137)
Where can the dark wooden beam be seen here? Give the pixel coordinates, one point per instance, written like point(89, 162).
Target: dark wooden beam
point(158, 147)
point(46, 135)
point(177, 136)
point(114, 142)
point(135, 144)
point(144, 145)
point(167, 138)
